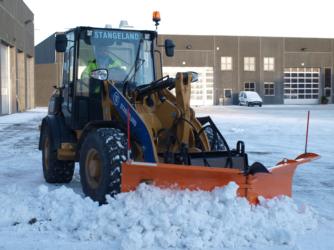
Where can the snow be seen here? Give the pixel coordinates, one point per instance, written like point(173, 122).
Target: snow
point(153, 218)
point(37, 215)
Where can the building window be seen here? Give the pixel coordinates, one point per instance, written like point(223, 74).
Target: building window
point(249, 86)
point(226, 63)
point(268, 63)
point(249, 63)
point(227, 93)
point(328, 76)
point(327, 92)
point(269, 88)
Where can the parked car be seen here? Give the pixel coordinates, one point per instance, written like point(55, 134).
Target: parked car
point(249, 98)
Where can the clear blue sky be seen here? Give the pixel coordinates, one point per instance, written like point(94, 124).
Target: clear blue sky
point(293, 18)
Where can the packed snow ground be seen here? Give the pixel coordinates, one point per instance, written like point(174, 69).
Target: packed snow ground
point(36, 215)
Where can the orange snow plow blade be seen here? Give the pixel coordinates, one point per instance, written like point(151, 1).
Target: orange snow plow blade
point(278, 181)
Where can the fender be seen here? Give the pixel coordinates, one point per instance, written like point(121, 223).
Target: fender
point(59, 132)
point(93, 126)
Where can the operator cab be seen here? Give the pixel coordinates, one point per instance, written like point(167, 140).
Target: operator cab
point(125, 57)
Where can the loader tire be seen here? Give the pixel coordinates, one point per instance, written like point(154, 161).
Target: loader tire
point(101, 156)
point(54, 170)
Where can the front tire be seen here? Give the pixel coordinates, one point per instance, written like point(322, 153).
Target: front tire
point(101, 156)
point(54, 170)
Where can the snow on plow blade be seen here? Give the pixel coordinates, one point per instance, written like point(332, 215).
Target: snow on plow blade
point(278, 181)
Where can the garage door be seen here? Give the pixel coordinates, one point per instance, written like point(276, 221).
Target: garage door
point(301, 85)
point(202, 90)
point(4, 79)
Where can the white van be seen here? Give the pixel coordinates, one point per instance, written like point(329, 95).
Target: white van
point(249, 98)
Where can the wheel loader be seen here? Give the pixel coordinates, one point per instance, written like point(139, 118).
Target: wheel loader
point(127, 125)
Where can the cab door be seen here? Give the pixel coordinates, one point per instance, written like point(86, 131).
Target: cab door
point(68, 78)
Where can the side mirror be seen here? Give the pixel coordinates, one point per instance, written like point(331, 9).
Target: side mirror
point(169, 47)
point(61, 42)
point(194, 76)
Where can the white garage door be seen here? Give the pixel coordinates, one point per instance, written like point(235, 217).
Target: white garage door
point(4, 80)
point(301, 85)
point(202, 90)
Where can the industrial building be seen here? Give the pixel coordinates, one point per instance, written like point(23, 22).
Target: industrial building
point(282, 70)
point(16, 57)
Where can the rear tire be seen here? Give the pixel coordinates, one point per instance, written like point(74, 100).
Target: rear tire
point(101, 156)
point(54, 170)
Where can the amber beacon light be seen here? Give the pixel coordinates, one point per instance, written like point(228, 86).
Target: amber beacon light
point(156, 18)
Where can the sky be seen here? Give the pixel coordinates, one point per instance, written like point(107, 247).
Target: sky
point(290, 18)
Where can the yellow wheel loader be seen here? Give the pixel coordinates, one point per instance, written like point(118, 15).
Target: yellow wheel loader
point(125, 126)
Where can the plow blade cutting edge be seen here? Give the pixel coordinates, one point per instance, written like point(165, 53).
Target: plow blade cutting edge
point(278, 181)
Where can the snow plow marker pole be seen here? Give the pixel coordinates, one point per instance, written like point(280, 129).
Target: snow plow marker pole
point(307, 126)
point(128, 132)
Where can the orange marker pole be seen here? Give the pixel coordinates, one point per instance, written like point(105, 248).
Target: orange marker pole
point(128, 131)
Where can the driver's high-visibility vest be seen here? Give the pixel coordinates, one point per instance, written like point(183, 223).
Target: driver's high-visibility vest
point(92, 65)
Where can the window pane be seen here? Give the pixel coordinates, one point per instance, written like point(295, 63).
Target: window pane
point(269, 64)
point(228, 93)
point(270, 90)
point(327, 92)
point(226, 63)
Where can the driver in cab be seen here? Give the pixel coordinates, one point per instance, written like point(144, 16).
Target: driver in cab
point(105, 59)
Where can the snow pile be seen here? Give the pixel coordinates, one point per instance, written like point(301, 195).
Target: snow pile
point(157, 219)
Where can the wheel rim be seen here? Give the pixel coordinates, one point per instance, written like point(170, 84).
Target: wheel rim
point(93, 168)
point(46, 152)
